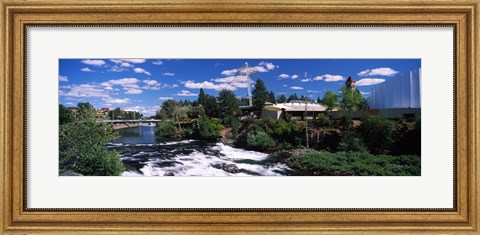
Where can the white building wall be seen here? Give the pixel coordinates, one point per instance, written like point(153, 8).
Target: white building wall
point(402, 91)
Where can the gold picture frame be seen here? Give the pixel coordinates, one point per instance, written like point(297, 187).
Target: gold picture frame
point(464, 15)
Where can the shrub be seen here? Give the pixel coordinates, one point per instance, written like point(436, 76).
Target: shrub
point(260, 141)
point(99, 163)
point(207, 129)
point(231, 122)
point(378, 133)
point(82, 145)
point(322, 120)
point(351, 141)
point(165, 129)
point(358, 163)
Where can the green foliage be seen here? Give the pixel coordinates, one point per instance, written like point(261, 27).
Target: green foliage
point(282, 99)
point(359, 163)
point(260, 94)
point(351, 141)
point(211, 106)
point(330, 100)
point(229, 103)
point(231, 122)
point(165, 129)
point(272, 97)
point(167, 110)
point(322, 120)
point(99, 162)
point(206, 129)
point(292, 97)
point(65, 115)
point(83, 141)
point(260, 141)
point(378, 133)
point(351, 100)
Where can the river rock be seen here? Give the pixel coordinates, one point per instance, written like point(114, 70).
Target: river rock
point(231, 168)
point(169, 173)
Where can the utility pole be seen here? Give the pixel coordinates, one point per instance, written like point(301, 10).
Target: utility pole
point(249, 85)
point(306, 123)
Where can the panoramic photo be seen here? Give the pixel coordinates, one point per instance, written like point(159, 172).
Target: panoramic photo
point(239, 117)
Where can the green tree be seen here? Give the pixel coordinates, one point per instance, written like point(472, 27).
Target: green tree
point(83, 145)
point(260, 94)
point(260, 141)
point(229, 103)
point(330, 100)
point(272, 97)
point(211, 107)
point(292, 97)
point(351, 99)
point(282, 99)
point(65, 115)
point(206, 129)
point(201, 97)
point(167, 110)
point(378, 133)
point(165, 129)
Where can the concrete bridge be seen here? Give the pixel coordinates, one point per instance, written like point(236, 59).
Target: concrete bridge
point(119, 124)
point(132, 121)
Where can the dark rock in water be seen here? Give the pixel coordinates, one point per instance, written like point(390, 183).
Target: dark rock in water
point(169, 173)
point(70, 173)
point(230, 168)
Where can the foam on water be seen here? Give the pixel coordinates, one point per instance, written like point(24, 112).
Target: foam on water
point(203, 160)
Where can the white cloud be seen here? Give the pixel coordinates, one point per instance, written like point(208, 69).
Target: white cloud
point(151, 82)
point(364, 93)
point(378, 71)
point(129, 85)
point(174, 85)
point(369, 81)
point(135, 61)
point(132, 91)
point(70, 103)
point(140, 70)
point(209, 85)
point(168, 74)
point(262, 67)
point(94, 62)
point(329, 78)
point(185, 93)
point(229, 72)
point(313, 91)
point(63, 78)
point(305, 80)
point(151, 85)
point(296, 88)
point(165, 98)
point(85, 90)
point(285, 76)
point(111, 100)
point(157, 62)
point(86, 69)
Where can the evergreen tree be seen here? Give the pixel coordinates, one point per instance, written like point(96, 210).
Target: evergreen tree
point(292, 97)
point(201, 97)
point(282, 99)
point(260, 95)
point(229, 103)
point(272, 97)
point(65, 115)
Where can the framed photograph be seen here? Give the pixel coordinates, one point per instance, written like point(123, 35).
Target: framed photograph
point(239, 117)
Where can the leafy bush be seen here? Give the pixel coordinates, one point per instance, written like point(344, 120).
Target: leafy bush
point(99, 162)
point(378, 133)
point(82, 145)
point(351, 141)
point(231, 122)
point(260, 141)
point(207, 129)
point(322, 120)
point(165, 129)
point(358, 163)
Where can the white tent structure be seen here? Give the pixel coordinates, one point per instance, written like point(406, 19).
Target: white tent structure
point(402, 91)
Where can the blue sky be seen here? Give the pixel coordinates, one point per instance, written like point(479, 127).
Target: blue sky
point(143, 84)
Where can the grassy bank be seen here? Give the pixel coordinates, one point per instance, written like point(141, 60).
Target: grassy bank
point(356, 163)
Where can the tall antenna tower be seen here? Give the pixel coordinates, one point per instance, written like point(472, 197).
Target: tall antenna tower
point(249, 85)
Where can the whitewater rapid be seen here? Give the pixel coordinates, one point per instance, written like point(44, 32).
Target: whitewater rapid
point(195, 158)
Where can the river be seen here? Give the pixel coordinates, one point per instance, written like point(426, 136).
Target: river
point(144, 154)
